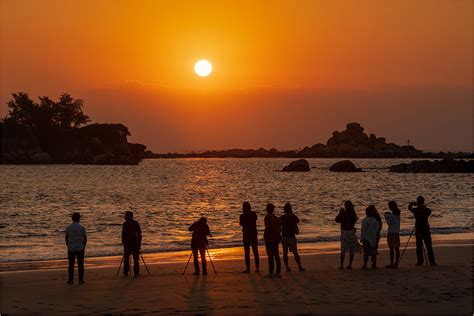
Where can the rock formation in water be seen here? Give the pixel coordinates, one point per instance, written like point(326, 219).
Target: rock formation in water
point(350, 143)
point(354, 143)
point(436, 166)
point(344, 166)
point(50, 132)
point(300, 165)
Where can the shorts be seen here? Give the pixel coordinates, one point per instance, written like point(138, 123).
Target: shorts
point(393, 240)
point(289, 243)
point(349, 241)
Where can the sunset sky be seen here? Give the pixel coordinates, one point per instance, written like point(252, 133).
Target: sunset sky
point(285, 73)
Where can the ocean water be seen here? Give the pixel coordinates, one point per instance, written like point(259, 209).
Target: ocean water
point(166, 196)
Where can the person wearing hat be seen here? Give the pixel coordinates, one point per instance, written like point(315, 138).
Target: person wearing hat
point(199, 243)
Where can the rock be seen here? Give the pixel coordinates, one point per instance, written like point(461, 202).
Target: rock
point(41, 158)
point(300, 165)
point(344, 166)
point(435, 166)
point(7, 158)
point(354, 128)
point(96, 145)
point(104, 159)
point(354, 143)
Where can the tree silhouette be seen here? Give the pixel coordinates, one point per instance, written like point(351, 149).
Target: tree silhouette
point(62, 115)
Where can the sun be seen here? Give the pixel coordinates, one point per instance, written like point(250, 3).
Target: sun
point(203, 68)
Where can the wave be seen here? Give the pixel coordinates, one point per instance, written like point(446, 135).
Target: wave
point(184, 246)
point(27, 235)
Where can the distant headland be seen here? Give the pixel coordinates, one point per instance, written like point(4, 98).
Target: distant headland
point(56, 132)
point(350, 143)
point(51, 131)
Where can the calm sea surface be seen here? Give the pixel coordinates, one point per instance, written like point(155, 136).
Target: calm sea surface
point(36, 202)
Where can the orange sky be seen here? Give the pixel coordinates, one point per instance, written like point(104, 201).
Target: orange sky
point(315, 53)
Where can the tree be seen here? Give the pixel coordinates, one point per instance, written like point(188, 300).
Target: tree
point(22, 109)
point(47, 114)
point(68, 112)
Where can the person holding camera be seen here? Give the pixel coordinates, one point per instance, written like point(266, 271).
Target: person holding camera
point(393, 234)
point(248, 221)
point(131, 241)
point(347, 217)
point(422, 230)
point(272, 237)
point(289, 229)
point(199, 243)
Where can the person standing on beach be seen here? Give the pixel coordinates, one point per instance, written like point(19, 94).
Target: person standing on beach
point(379, 221)
point(76, 240)
point(393, 233)
point(131, 241)
point(199, 243)
point(289, 225)
point(272, 236)
point(248, 221)
point(370, 234)
point(422, 230)
point(347, 217)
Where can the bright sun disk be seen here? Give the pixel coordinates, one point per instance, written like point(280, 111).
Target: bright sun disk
point(203, 68)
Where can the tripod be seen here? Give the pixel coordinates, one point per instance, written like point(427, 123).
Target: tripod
point(422, 247)
point(210, 259)
point(403, 252)
point(143, 260)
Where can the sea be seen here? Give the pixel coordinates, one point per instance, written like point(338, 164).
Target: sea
point(168, 195)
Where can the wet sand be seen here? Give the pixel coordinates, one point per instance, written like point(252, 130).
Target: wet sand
point(445, 289)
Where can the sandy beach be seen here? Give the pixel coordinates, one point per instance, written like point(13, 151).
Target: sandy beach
point(445, 289)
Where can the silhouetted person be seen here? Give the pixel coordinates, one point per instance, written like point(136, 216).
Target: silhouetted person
point(131, 241)
point(76, 240)
point(393, 233)
point(422, 230)
point(248, 221)
point(347, 217)
point(272, 236)
point(370, 233)
point(199, 243)
point(379, 221)
point(289, 229)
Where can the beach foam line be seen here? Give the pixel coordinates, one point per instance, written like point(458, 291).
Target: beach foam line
point(227, 253)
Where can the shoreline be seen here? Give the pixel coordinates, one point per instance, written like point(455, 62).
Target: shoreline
point(228, 253)
point(322, 289)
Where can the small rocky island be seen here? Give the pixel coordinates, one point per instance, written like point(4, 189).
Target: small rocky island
point(344, 166)
point(436, 166)
point(350, 143)
point(300, 165)
point(354, 143)
point(51, 131)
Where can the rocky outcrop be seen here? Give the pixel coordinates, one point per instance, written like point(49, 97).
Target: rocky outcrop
point(435, 166)
point(344, 166)
point(354, 143)
point(300, 165)
point(41, 158)
point(104, 159)
point(103, 144)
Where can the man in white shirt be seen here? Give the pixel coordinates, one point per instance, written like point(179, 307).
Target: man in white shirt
point(76, 240)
